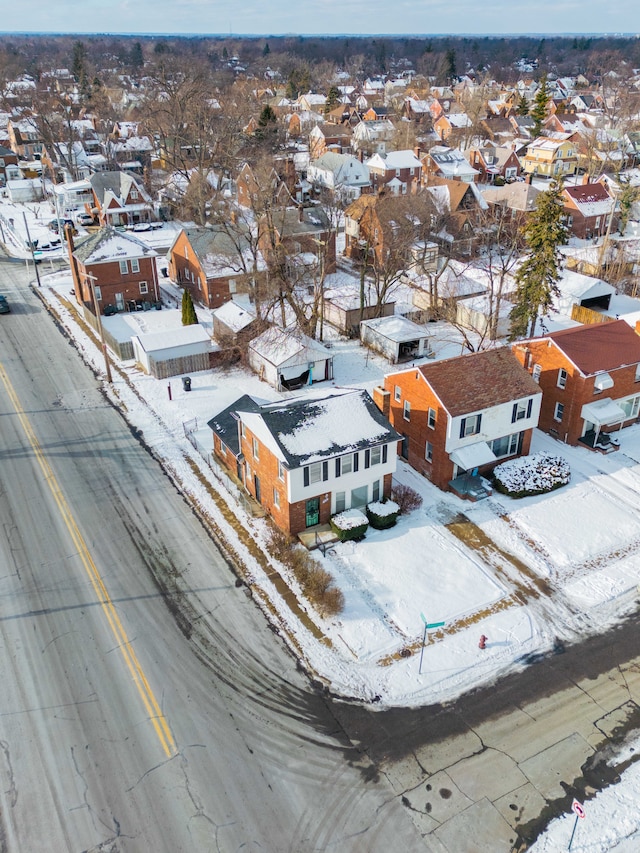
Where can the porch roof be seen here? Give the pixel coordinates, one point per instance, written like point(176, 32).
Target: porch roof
point(603, 412)
point(473, 455)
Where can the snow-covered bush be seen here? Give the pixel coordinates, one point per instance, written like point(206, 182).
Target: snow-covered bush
point(531, 475)
point(382, 514)
point(350, 524)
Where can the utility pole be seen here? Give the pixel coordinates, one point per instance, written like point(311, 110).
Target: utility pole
point(92, 284)
point(33, 256)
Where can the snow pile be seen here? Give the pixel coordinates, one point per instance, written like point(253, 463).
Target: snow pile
point(350, 519)
point(532, 475)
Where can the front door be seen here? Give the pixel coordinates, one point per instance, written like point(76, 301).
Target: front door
point(256, 486)
point(120, 301)
point(312, 514)
point(405, 447)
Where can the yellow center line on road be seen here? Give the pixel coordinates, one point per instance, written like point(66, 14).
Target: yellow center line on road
point(149, 701)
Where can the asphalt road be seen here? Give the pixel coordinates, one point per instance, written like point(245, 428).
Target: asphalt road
point(118, 731)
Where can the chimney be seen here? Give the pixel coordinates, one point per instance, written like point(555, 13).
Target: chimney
point(417, 151)
point(382, 399)
point(585, 179)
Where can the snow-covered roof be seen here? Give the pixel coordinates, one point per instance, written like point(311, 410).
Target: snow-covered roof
point(169, 338)
point(234, 316)
point(395, 328)
point(108, 245)
point(278, 346)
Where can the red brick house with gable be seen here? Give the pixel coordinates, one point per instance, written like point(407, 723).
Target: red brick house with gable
point(120, 199)
point(307, 458)
point(590, 381)
point(587, 209)
point(123, 269)
point(460, 416)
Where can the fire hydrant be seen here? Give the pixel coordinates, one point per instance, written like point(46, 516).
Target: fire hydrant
point(483, 642)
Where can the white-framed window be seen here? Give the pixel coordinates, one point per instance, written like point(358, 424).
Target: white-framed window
point(428, 452)
point(558, 411)
point(346, 464)
point(507, 445)
point(431, 418)
point(375, 491)
point(376, 455)
point(535, 374)
point(637, 378)
point(280, 471)
point(98, 291)
point(144, 288)
point(135, 265)
point(406, 410)
point(255, 448)
point(134, 194)
point(276, 498)
point(397, 392)
point(233, 287)
point(186, 253)
point(243, 429)
point(562, 378)
point(124, 268)
point(630, 407)
point(470, 425)
point(340, 502)
point(315, 472)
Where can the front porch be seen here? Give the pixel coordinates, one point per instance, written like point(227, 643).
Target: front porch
point(318, 536)
point(603, 442)
point(470, 487)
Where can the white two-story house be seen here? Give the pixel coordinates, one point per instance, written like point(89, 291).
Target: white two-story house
point(307, 458)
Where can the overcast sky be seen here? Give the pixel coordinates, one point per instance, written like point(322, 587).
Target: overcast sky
point(264, 17)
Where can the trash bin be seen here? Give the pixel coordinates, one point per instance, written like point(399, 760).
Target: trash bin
point(186, 383)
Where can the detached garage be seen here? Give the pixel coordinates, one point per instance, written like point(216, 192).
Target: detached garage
point(396, 338)
point(172, 352)
point(288, 359)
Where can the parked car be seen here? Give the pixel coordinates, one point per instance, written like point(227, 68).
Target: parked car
point(85, 219)
point(4, 305)
point(54, 226)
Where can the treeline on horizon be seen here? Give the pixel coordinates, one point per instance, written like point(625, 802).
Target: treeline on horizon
point(360, 56)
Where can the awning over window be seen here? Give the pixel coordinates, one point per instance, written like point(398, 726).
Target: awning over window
point(473, 456)
point(603, 382)
point(603, 412)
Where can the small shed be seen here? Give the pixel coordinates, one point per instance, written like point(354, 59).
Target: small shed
point(396, 338)
point(232, 322)
point(171, 352)
point(288, 359)
point(24, 189)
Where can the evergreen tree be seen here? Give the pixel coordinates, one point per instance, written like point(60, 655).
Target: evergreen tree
point(188, 311)
point(333, 98)
point(79, 61)
point(137, 56)
point(266, 50)
point(450, 65)
point(537, 277)
point(523, 106)
point(539, 110)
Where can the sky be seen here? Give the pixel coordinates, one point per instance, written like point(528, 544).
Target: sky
point(313, 16)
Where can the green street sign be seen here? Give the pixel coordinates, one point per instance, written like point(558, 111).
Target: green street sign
point(431, 624)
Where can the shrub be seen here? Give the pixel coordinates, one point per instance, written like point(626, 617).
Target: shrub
point(407, 498)
point(383, 514)
point(351, 524)
point(279, 544)
point(531, 475)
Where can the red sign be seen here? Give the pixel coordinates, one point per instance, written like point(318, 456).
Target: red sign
point(578, 809)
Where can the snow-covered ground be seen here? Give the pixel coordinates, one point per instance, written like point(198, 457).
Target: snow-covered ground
point(569, 555)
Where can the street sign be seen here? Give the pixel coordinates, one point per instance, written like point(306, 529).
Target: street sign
point(578, 809)
point(430, 625)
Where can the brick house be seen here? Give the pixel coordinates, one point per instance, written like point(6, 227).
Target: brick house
point(590, 380)
point(124, 271)
point(587, 209)
point(9, 170)
point(307, 458)
point(461, 416)
point(450, 163)
point(119, 199)
point(400, 172)
point(214, 264)
point(495, 161)
point(300, 231)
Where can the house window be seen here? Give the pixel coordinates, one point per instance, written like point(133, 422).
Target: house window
point(233, 287)
point(397, 392)
point(558, 411)
point(630, 407)
point(431, 419)
point(255, 448)
point(135, 265)
point(243, 429)
point(470, 425)
point(280, 471)
point(359, 497)
point(508, 445)
point(521, 411)
point(315, 472)
point(637, 379)
point(346, 464)
point(537, 370)
point(562, 378)
point(406, 410)
point(340, 502)
point(428, 452)
point(144, 288)
point(376, 455)
point(124, 268)
point(276, 498)
point(98, 291)
point(375, 491)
